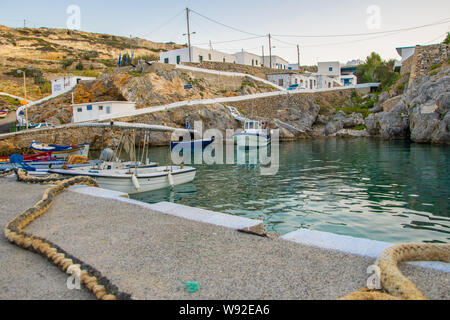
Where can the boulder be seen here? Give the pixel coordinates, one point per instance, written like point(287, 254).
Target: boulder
point(389, 125)
point(341, 120)
point(389, 104)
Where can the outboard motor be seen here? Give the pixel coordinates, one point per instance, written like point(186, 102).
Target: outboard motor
point(107, 155)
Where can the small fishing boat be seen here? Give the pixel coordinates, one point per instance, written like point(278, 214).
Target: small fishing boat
point(135, 180)
point(37, 157)
point(61, 151)
point(256, 134)
point(135, 176)
point(192, 144)
point(185, 145)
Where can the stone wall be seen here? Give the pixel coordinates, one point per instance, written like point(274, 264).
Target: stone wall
point(424, 58)
point(260, 72)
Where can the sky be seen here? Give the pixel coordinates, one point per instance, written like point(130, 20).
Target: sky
point(320, 24)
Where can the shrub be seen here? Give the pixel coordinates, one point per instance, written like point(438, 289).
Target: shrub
point(79, 66)
point(360, 127)
point(66, 63)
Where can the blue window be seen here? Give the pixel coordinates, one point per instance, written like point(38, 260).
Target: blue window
point(330, 69)
point(88, 108)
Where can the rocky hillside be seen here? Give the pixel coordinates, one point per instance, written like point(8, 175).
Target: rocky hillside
point(147, 86)
point(417, 108)
point(60, 52)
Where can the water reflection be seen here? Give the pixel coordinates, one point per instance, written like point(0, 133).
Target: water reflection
point(389, 191)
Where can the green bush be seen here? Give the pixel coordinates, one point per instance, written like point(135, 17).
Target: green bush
point(66, 63)
point(360, 127)
point(376, 69)
point(79, 66)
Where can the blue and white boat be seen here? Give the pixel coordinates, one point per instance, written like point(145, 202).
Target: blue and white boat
point(192, 144)
point(256, 134)
point(61, 151)
point(185, 145)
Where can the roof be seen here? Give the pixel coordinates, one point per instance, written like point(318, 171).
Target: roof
point(104, 102)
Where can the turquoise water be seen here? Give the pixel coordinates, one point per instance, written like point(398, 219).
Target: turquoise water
point(389, 191)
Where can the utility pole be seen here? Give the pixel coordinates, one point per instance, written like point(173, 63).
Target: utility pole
point(298, 55)
point(210, 45)
point(188, 34)
point(24, 23)
point(270, 52)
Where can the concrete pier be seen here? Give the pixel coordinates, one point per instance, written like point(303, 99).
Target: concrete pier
point(150, 250)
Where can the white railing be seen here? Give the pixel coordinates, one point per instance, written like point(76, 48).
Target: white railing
point(216, 100)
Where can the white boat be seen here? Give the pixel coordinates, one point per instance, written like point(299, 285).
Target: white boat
point(256, 134)
point(135, 180)
point(129, 178)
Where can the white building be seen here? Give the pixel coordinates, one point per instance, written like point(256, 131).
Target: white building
point(62, 85)
point(247, 58)
point(405, 53)
point(92, 111)
point(277, 63)
point(330, 69)
point(198, 55)
point(348, 80)
point(287, 79)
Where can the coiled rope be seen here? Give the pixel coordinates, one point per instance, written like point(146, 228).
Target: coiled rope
point(395, 285)
point(101, 286)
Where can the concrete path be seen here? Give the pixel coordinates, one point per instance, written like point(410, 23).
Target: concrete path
point(150, 255)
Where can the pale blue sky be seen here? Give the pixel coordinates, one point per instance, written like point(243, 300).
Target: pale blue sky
point(299, 17)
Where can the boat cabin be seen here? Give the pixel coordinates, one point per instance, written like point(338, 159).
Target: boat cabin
point(251, 125)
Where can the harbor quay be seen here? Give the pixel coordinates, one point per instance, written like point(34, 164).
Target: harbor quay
point(152, 251)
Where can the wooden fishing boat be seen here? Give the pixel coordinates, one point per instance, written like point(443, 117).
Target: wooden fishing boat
point(37, 157)
point(61, 151)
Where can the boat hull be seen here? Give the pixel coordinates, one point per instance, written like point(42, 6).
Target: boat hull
point(62, 152)
point(124, 183)
point(191, 144)
point(251, 141)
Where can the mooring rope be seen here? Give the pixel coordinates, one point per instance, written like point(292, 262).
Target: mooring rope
point(394, 284)
point(101, 286)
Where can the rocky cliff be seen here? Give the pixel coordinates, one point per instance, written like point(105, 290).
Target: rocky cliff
point(420, 114)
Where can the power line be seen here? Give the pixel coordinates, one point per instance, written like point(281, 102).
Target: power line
point(228, 41)
point(446, 20)
point(222, 24)
point(164, 24)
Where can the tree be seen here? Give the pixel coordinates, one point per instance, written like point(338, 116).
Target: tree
point(447, 40)
point(375, 69)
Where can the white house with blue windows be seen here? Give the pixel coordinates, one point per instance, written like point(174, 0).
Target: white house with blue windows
point(92, 111)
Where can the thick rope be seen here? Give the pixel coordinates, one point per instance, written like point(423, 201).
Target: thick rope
point(395, 284)
point(93, 280)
